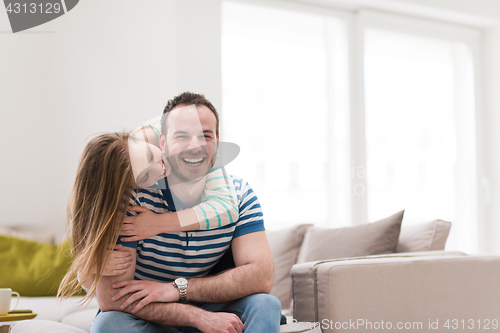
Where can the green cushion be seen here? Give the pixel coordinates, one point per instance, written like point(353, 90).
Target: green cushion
point(32, 268)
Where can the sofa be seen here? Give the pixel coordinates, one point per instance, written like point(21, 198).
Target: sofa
point(365, 276)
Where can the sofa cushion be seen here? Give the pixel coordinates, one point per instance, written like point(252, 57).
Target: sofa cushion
point(430, 236)
point(57, 309)
point(379, 237)
point(285, 245)
point(32, 268)
point(81, 319)
point(43, 326)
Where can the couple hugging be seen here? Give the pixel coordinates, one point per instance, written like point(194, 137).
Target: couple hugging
point(166, 241)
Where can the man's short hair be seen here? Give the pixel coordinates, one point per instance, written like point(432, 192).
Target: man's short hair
point(187, 98)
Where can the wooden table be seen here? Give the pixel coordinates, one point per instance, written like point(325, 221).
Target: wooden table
point(14, 317)
point(17, 316)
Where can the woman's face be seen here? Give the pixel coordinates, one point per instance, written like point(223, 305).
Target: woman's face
point(148, 163)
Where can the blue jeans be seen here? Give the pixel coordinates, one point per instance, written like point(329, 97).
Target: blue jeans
point(259, 313)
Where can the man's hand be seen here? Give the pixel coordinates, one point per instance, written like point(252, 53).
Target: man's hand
point(220, 322)
point(141, 226)
point(148, 291)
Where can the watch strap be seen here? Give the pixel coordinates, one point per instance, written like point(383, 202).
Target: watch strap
point(182, 291)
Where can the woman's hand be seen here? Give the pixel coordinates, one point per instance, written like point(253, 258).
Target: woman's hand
point(141, 226)
point(118, 263)
point(149, 291)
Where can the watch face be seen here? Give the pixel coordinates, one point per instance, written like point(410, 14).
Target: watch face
point(181, 282)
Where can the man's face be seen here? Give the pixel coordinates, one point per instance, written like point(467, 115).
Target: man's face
point(191, 142)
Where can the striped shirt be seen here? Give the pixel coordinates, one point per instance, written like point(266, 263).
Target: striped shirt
point(167, 256)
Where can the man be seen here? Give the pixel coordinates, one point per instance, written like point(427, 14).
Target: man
point(231, 301)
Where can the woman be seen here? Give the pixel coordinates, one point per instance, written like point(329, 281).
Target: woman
point(105, 184)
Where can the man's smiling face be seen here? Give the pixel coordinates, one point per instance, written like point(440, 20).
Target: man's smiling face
point(191, 142)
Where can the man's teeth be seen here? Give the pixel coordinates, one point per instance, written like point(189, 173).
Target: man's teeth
point(193, 160)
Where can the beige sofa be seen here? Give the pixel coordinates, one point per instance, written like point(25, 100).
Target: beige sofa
point(328, 277)
point(439, 292)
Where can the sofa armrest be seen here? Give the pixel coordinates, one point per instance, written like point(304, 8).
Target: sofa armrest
point(416, 289)
point(304, 278)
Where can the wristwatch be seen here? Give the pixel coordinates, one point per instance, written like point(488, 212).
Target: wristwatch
point(182, 285)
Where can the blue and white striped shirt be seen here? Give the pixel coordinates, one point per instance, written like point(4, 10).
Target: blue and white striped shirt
point(167, 256)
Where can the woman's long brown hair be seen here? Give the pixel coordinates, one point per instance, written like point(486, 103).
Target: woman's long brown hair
point(96, 209)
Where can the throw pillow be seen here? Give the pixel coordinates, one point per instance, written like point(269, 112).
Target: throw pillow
point(362, 240)
point(285, 246)
point(430, 236)
point(32, 268)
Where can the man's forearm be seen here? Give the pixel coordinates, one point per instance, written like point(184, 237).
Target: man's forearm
point(232, 284)
point(254, 273)
point(171, 314)
point(176, 314)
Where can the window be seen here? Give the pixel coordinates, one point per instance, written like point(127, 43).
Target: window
point(345, 118)
point(412, 95)
point(279, 69)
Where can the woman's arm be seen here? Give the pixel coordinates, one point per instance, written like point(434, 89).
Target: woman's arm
point(118, 263)
point(105, 291)
point(219, 207)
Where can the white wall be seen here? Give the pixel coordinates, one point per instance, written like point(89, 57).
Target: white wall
point(104, 66)
point(199, 48)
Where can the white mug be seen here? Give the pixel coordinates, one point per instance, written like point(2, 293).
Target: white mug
point(5, 298)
